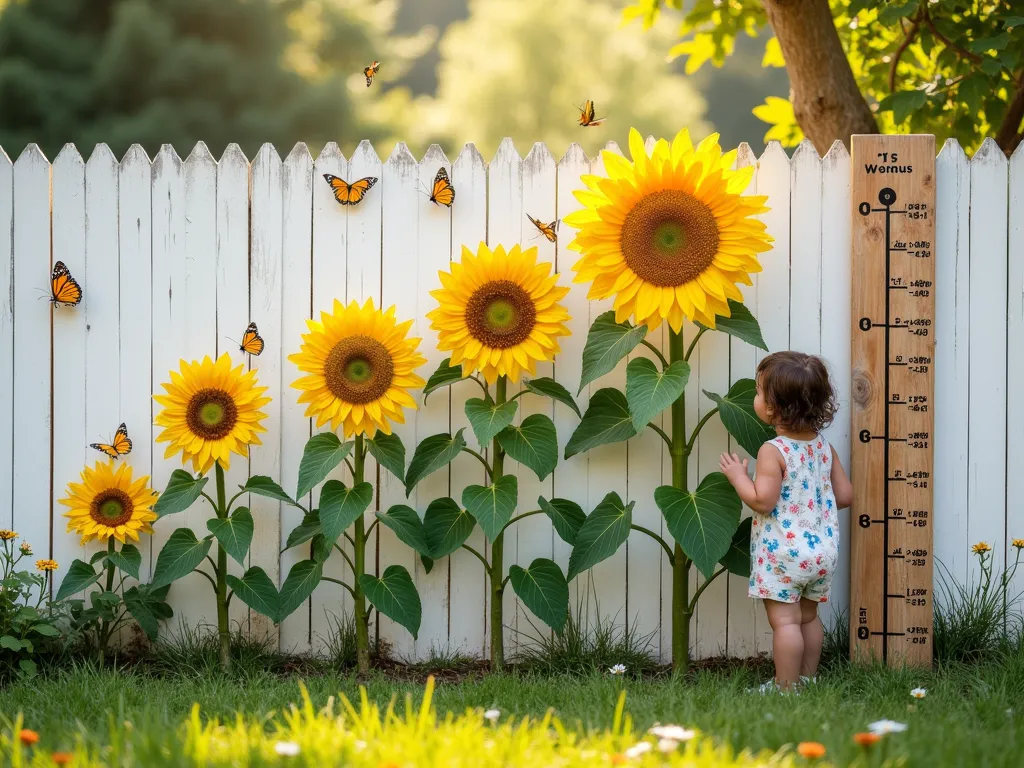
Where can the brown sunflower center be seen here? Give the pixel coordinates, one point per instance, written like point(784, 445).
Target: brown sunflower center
point(500, 314)
point(111, 508)
point(211, 414)
point(669, 237)
point(359, 370)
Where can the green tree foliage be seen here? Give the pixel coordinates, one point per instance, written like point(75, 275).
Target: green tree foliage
point(179, 71)
point(521, 68)
point(948, 67)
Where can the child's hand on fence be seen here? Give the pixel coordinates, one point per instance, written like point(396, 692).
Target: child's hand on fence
point(732, 467)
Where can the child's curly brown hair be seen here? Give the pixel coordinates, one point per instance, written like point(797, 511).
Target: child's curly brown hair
point(797, 388)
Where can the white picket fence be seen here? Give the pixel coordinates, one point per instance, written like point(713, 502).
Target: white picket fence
point(175, 256)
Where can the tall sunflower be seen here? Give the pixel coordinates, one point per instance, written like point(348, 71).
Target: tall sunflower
point(499, 312)
point(108, 502)
point(670, 234)
point(211, 411)
point(360, 366)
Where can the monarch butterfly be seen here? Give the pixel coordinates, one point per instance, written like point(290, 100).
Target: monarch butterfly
point(252, 342)
point(550, 231)
point(121, 445)
point(349, 194)
point(587, 115)
point(443, 193)
point(64, 289)
point(370, 71)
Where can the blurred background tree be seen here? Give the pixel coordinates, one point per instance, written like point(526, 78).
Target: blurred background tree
point(180, 71)
point(948, 67)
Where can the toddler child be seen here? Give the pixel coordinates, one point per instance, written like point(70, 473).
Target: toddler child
point(798, 488)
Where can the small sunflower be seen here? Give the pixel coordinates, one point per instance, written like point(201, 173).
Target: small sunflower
point(211, 411)
point(360, 366)
point(499, 312)
point(981, 548)
point(670, 234)
point(1018, 543)
point(109, 502)
point(6, 535)
point(46, 565)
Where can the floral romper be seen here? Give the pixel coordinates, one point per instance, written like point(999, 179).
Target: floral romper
point(793, 550)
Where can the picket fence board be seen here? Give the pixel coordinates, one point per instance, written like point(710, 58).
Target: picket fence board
point(176, 257)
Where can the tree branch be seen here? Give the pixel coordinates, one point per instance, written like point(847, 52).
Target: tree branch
point(946, 41)
point(1009, 136)
point(908, 38)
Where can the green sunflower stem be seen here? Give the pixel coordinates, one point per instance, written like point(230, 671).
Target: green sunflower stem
point(103, 636)
point(359, 546)
point(223, 630)
point(497, 552)
point(681, 568)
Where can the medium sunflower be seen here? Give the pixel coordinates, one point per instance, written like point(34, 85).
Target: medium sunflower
point(211, 410)
point(669, 235)
point(109, 503)
point(360, 364)
point(499, 312)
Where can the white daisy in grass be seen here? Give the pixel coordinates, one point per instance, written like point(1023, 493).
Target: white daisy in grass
point(618, 669)
point(883, 727)
point(673, 732)
point(492, 715)
point(286, 748)
point(638, 749)
point(919, 693)
point(667, 745)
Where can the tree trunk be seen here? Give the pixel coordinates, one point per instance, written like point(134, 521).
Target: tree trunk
point(826, 100)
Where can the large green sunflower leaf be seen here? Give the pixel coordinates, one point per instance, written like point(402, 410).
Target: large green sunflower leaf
point(736, 410)
point(737, 557)
point(607, 343)
point(407, 526)
point(79, 576)
point(649, 391)
point(607, 420)
point(127, 559)
point(306, 530)
point(702, 521)
point(488, 419)
point(181, 491)
point(544, 590)
point(256, 590)
point(431, 454)
point(389, 451)
point(602, 533)
point(323, 452)
point(262, 485)
point(492, 505)
point(446, 526)
point(550, 388)
point(567, 517)
point(395, 596)
point(302, 580)
point(234, 533)
point(181, 554)
point(445, 375)
point(340, 506)
point(533, 443)
point(740, 324)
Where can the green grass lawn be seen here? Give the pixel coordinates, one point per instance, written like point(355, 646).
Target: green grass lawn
point(972, 715)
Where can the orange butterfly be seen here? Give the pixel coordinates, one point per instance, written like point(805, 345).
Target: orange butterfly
point(121, 445)
point(252, 342)
point(349, 194)
point(587, 115)
point(64, 289)
point(370, 71)
point(550, 231)
point(443, 193)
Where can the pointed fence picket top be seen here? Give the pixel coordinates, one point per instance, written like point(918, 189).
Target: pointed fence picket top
point(172, 263)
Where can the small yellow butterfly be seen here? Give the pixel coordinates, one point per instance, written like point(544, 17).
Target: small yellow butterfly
point(442, 193)
point(121, 445)
point(587, 119)
point(349, 194)
point(550, 231)
point(370, 71)
point(64, 289)
point(252, 342)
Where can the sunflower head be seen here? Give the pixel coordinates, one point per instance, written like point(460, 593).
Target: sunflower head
point(210, 410)
point(109, 502)
point(359, 365)
point(46, 565)
point(498, 312)
point(670, 234)
point(6, 535)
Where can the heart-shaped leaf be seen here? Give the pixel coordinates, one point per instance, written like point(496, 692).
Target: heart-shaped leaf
point(492, 505)
point(566, 516)
point(128, 559)
point(649, 391)
point(181, 491)
point(340, 506)
point(702, 521)
point(234, 533)
point(321, 548)
point(262, 485)
point(740, 324)
point(488, 419)
point(181, 554)
point(395, 596)
point(433, 453)
point(79, 576)
point(736, 410)
point(607, 343)
point(445, 375)
point(602, 533)
point(607, 420)
point(543, 589)
point(446, 527)
point(148, 607)
point(407, 526)
point(306, 530)
point(737, 557)
point(256, 590)
point(550, 388)
point(323, 452)
point(302, 580)
point(533, 443)
point(389, 451)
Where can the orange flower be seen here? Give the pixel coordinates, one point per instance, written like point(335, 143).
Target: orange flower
point(866, 739)
point(812, 750)
point(62, 758)
point(618, 759)
point(28, 738)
